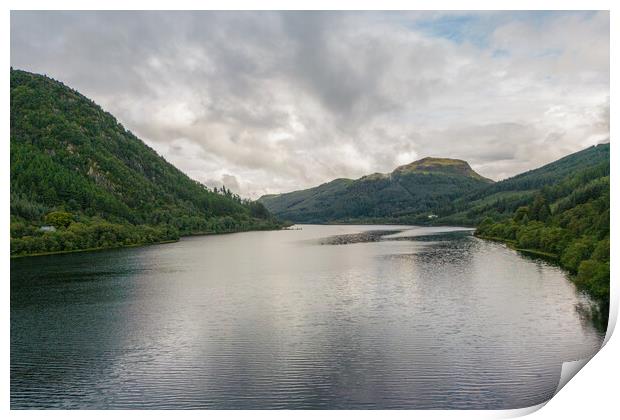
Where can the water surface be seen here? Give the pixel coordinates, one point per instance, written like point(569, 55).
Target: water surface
point(323, 317)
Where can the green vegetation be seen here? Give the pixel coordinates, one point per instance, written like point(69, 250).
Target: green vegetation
point(567, 221)
point(409, 194)
point(442, 165)
point(503, 198)
point(79, 180)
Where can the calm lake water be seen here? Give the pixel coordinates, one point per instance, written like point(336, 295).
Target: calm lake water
point(323, 317)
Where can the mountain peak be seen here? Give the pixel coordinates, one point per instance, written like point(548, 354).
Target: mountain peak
point(441, 165)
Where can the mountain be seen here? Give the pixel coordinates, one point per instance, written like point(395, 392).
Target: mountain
point(409, 194)
point(504, 197)
point(75, 169)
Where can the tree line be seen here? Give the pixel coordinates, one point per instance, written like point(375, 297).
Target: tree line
point(568, 222)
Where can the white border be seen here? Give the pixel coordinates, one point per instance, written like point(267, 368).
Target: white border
point(593, 394)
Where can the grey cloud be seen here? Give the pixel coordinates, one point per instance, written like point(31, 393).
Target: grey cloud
point(226, 180)
point(278, 101)
point(230, 181)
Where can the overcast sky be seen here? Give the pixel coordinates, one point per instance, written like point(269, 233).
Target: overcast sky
point(272, 102)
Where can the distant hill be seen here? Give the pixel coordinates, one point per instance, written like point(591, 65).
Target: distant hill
point(74, 166)
point(408, 194)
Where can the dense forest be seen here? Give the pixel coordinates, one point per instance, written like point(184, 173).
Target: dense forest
point(409, 194)
point(567, 221)
point(501, 199)
point(79, 180)
point(559, 211)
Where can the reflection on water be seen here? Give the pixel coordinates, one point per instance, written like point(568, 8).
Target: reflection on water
point(353, 238)
point(409, 318)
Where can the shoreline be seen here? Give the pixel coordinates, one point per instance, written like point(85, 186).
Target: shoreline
point(107, 248)
point(379, 223)
point(601, 318)
point(512, 245)
point(103, 248)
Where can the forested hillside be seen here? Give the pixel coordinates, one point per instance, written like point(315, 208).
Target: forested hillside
point(565, 216)
point(504, 197)
point(79, 180)
point(410, 194)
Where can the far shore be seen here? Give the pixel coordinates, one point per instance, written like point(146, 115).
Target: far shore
point(106, 248)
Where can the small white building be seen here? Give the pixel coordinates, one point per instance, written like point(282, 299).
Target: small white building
point(47, 229)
